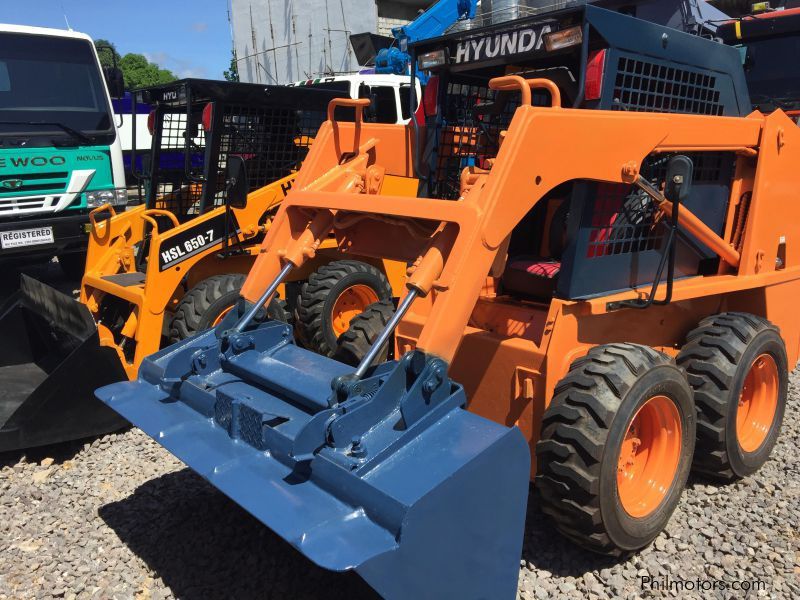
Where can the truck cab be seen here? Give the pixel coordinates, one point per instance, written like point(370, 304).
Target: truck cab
point(133, 133)
point(60, 151)
point(390, 94)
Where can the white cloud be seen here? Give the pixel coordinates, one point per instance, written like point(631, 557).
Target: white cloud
point(181, 67)
point(199, 27)
point(198, 72)
point(158, 58)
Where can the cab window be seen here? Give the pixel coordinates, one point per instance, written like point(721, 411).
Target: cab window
point(384, 103)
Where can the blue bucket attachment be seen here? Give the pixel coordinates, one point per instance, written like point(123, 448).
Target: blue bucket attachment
point(387, 475)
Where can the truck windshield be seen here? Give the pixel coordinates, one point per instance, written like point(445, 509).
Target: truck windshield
point(52, 88)
point(773, 76)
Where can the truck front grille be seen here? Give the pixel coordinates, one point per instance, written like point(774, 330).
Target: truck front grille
point(48, 183)
point(11, 206)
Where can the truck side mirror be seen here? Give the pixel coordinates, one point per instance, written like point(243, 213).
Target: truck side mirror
point(115, 81)
point(237, 184)
point(680, 171)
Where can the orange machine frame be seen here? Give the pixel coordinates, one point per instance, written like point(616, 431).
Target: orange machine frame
point(508, 353)
point(111, 252)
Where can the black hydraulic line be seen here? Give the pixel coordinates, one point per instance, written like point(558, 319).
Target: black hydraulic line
point(667, 257)
point(584, 60)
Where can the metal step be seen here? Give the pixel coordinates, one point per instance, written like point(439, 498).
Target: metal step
point(126, 279)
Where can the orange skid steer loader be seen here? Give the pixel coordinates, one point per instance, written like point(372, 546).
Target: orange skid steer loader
point(415, 472)
point(604, 303)
point(223, 157)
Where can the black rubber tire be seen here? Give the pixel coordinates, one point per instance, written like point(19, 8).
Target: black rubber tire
point(364, 329)
point(582, 433)
point(319, 294)
point(716, 358)
point(206, 301)
point(73, 265)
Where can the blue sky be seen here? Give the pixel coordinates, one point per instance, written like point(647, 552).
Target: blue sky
point(189, 37)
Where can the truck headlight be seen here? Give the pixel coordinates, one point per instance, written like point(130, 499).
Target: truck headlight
point(117, 197)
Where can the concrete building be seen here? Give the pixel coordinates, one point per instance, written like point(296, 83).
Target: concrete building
point(280, 41)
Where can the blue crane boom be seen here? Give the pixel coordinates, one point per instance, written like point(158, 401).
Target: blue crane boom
point(432, 23)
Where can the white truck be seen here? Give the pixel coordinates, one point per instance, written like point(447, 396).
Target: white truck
point(389, 93)
point(60, 153)
point(126, 112)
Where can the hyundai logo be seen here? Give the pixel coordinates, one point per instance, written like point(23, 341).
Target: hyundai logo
point(11, 184)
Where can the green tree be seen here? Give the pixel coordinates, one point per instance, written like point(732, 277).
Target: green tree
point(106, 56)
point(137, 70)
point(232, 74)
point(140, 72)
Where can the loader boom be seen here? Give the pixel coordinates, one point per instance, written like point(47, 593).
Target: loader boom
point(489, 212)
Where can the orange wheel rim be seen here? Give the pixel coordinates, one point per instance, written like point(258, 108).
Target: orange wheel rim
point(649, 457)
point(351, 302)
point(221, 316)
point(758, 403)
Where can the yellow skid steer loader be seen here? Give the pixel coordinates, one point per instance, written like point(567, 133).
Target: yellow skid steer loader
point(223, 157)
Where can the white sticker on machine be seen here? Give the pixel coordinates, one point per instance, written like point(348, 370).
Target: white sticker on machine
point(26, 237)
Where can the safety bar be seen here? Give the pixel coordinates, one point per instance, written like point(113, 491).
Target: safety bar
point(156, 235)
point(515, 82)
point(160, 212)
point(100, 209)
point(148, 216)
point(359, 104)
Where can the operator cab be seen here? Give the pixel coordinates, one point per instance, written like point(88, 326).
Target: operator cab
point(584, 238)
point(196, 125)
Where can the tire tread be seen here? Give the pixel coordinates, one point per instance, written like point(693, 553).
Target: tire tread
point(364, 329)
point(570, 450)
point(315, 291)
point(710, 359)
point(194, 304)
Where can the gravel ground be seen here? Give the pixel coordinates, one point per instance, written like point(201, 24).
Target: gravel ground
point(120, 518)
